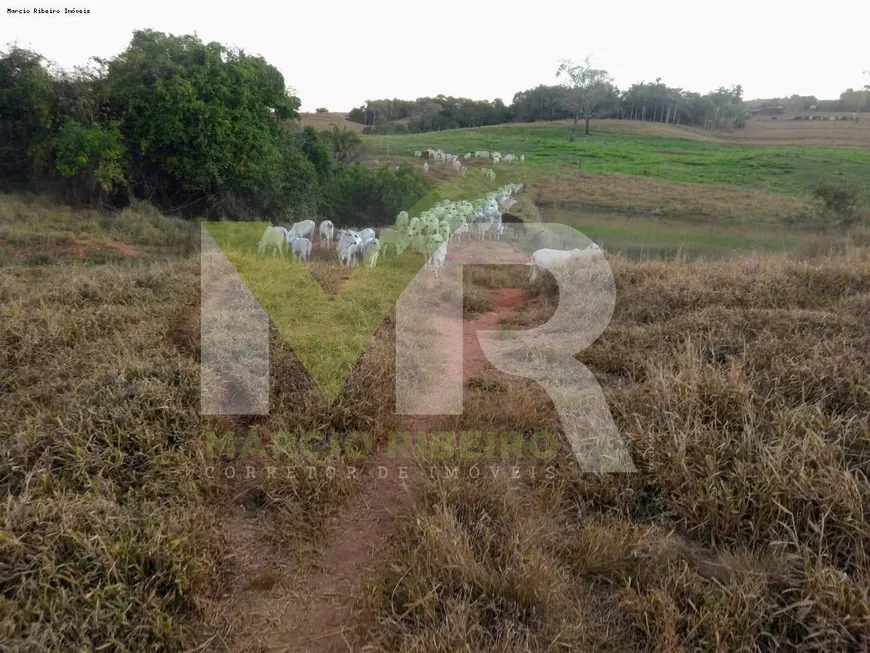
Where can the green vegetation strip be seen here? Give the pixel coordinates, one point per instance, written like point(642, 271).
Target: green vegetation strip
point(788, 170)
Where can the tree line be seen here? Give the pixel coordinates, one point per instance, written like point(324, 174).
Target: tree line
point(197, 129)
point(587, 92)
point(722, 108)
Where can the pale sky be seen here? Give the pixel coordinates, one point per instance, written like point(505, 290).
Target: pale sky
point(338, 54)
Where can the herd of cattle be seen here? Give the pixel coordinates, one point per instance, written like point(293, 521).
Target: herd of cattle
point(427, 234)
point(454, 159)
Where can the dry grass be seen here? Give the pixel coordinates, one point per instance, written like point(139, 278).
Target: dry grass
point(741, 388)
point(321, 121)
point(105, 537)
point(824, 133)
point(116, 529)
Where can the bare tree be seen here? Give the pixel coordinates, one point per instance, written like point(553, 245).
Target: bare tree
point(586, 88)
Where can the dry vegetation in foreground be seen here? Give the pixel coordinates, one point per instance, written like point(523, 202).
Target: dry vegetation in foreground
point(742, 389)
point(740, 386)
point(115, 531)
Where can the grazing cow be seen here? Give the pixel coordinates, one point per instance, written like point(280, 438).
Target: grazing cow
point(436, 259)
point(302, 229)
point(460, 231)
point(545, 258)
point(444, 229)
point(396, 238)
point(327, 229)
point(418, 243)
point(301, 248)
point(369, 251)
point(418, 153)
point(272, 237)
point(402, 220)
point(347, 242)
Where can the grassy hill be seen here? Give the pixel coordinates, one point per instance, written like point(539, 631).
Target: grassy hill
point(321, 121)
point(668, 153)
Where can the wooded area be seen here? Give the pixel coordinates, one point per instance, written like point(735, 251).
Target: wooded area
point(193, 128)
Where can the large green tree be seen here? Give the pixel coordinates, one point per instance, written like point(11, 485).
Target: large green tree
point(27, 114)
point(201, 121)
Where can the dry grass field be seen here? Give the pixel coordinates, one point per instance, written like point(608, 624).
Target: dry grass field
point(823, 133)
point(739, 381)
point(740, 386)
point(321, 121)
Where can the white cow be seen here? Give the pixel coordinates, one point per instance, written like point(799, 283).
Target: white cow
point(545, 258)
point(369, 251)
point(426, 167)
point(302, 229)
point(461, 230)
point(327, 229)
point(347, 243)
point(436, 260)
point(418, 153)
point(302, 248)
point(272, 237)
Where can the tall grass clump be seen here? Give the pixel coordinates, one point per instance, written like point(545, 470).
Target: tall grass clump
point(741, 390)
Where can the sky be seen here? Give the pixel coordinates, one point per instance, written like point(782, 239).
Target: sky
point(338, 54)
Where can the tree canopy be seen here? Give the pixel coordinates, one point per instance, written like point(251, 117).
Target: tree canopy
point(586, 89)
point(193, 127)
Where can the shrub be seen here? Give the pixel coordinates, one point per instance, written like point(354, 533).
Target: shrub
point(839, 201)
point(356, 195)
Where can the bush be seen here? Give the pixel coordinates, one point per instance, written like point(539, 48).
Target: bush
point(839, 201)
point(322, 110)
point(356, 195)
